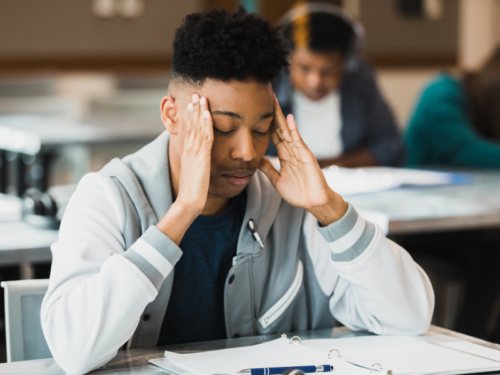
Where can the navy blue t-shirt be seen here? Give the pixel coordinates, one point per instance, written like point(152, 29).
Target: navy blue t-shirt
point(196, 308)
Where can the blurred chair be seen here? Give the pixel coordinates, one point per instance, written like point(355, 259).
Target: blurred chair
point(447, 278)
point(24, 335)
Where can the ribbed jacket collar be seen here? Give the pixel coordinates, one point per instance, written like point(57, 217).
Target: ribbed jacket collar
point(152, 168)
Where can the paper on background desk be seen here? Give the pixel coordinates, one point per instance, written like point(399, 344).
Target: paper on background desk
point(348, 182)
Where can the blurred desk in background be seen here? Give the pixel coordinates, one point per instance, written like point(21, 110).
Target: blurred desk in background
point(407, 210)
point(102, 129)
point(437, 208)
point(21, 244)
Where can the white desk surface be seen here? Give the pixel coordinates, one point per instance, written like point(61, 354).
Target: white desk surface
point(137, 361)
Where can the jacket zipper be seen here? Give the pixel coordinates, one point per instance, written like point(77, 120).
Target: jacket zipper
point(279, 307)
point(255, 236)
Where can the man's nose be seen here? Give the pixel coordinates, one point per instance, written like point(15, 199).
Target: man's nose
point(243, 147)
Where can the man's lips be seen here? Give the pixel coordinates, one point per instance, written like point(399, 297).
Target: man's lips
point(238, 177)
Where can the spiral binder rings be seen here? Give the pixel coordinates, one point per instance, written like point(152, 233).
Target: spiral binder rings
point(363, 355)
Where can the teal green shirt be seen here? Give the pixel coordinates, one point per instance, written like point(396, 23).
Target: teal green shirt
point(440, 132)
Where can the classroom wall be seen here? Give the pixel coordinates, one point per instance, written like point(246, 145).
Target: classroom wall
point(479, 31)
point(70, 29)
point(402, 87)
point(394, 39)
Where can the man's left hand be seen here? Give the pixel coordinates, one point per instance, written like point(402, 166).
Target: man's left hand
point(300, 180)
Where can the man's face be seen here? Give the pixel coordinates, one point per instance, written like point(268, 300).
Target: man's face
point(242, 112)
point(316, 74)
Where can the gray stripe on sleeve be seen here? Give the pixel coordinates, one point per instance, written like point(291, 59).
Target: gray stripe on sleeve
point(145, 267)
point(340, 228)
point(164, 245)
point(359, 246)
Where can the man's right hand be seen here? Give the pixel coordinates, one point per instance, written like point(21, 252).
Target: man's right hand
point(196, 155)
point(195, 172)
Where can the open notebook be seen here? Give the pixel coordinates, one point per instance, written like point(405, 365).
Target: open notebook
point(400, 355)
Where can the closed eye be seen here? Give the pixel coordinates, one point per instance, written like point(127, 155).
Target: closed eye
point(223, 133)
point(261, 133)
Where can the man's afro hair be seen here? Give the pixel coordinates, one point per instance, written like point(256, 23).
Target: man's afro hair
point(223, 46)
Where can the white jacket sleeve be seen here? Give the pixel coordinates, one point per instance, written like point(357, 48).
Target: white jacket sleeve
point(98, 290)
point(372, 282)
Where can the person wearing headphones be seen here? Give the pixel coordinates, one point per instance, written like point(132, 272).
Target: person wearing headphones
point(332, 91)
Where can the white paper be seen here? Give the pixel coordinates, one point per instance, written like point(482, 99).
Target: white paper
point(478, 350)
point(402, 355)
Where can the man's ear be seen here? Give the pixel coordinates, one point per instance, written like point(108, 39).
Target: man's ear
point(169, 115)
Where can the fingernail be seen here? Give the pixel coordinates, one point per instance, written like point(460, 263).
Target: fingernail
point(206, 114)
point(190, 107)
point(195, 98)
point(203, 100)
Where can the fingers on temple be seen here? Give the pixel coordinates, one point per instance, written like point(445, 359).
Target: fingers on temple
point(292, 125)
point(206, 120)
point(280, 122)
point(196, 108)
point(209, 130)
point(189, 125)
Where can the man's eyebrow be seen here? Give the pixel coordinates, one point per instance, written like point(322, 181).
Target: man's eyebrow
point(238, 116)
point(228, 113)
point(267, 115)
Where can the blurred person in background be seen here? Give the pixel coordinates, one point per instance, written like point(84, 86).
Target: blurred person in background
point(457, 120)
point(332, 92)
point(457, 123)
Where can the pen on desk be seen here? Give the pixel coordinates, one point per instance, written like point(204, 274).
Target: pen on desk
point(280, 370)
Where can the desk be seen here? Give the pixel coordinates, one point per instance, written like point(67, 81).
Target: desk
point(20, 243)
point(438, 208)
point(136, 361)
point(103, 129)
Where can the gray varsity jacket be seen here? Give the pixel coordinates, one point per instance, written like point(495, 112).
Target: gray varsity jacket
point(113, 269)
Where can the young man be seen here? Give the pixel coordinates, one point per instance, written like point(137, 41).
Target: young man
point(197, 237)
point(340, 112)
